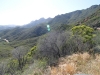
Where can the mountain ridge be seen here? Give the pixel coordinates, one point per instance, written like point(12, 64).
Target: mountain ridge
point(36, 22)
point(75, 16)
point(38, 27)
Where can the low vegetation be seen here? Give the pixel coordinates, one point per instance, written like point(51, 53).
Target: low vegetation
point(55, 52)
point(79, 63)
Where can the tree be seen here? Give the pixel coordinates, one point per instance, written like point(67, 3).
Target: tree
point(19, 53)
point(76, 44)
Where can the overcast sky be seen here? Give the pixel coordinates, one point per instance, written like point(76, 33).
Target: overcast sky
point(21, 12)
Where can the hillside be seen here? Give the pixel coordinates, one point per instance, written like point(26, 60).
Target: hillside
point(38, 27)
point(93, 20)
point(33, 29)
point(20, 33)
point(73, 17)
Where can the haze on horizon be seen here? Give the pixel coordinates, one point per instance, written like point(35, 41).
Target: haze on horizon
point(20, 12)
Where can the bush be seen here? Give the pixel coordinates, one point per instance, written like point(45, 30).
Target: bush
point(96, 49)
point(12, 66)
point(86, 32)
point(51, 46)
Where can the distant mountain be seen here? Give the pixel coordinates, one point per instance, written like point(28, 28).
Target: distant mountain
point(36, 22)
point(38, 27)
point(33, 29)
point(73, 17)
point(2, 27)
point(20, 33)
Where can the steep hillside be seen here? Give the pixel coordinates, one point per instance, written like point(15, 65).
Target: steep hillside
point(93, 20)
point(73, 17)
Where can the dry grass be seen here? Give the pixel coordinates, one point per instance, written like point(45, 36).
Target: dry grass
point(93, 66)
point(74, 64)
point(71, 64)
point(64, 69)
point(77, 63)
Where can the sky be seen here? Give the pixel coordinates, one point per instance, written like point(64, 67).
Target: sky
point(20, 12)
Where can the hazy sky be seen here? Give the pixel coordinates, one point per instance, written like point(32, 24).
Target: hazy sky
point(21, 12)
